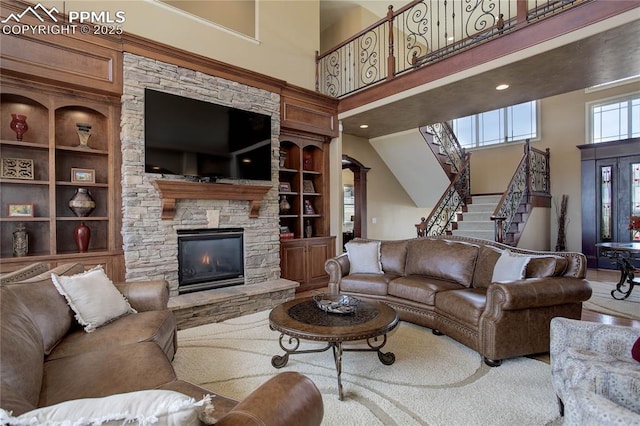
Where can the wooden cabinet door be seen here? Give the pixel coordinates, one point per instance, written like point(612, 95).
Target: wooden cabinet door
point(318, 252)
point(292, 260)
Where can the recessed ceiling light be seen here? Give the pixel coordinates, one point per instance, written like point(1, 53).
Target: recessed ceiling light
point(502, 86)
point(364, 126)
point(450, 38)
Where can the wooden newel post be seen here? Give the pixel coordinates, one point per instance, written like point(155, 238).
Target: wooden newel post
point(391, 60)
point(498, 228)
point(317, 73)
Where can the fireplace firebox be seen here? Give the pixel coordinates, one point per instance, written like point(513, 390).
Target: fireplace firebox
point(210, 258)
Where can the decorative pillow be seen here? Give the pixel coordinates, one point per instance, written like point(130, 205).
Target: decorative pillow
point(93, 297)
point(148, 407)
point(635, 350)
point(509, 267)
point(364, 257)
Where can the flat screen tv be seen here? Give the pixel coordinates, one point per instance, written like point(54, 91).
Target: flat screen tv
point(203, 140)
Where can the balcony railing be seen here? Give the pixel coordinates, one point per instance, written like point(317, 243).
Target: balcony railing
point(421, 33)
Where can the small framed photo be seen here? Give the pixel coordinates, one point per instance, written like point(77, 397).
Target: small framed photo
point(20, 210)
point(307, 187)
point(83, 175)
point(284, 229)
point(284, 187)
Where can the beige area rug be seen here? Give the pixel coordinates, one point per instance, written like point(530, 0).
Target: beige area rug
point(434, 381)
point(602, 302)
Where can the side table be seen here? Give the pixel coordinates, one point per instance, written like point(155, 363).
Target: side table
point(622, 254)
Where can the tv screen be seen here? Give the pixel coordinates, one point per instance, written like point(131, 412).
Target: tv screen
point(190, 137)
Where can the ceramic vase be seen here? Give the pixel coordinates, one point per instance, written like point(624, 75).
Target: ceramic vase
point(284, 205)
point(84, 133)
point(82, 203)
point(308, 229)
point(19, 125)
point(82, 236)
point(20, 241)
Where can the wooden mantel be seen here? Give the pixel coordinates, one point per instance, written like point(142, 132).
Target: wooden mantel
point(172, 190)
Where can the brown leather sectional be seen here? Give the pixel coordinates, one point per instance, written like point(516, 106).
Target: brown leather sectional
point(47, 358)
point(445, 283)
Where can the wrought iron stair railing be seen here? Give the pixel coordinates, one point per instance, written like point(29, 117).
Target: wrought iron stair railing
point(455, 162)
point(530, 180)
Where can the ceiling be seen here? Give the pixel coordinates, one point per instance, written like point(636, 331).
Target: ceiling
point(607, 56)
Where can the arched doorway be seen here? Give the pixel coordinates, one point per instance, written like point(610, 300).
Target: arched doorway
point(359, 198)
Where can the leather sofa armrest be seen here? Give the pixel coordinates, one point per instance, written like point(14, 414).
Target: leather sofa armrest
point(287, 399)
point(146, 295)
point(538, 292)
point(337, 267)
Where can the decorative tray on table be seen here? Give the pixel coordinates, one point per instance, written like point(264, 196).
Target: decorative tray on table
point(336, 303)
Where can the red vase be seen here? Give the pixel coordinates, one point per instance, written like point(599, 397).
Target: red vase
point(82, 235)
point(19, 125)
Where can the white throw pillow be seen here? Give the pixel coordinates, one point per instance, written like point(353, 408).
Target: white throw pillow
point(364, 257)
point(148, 407)
point(510, 267)
point(93, 297)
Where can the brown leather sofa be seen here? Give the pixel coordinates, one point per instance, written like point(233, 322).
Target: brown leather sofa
point(47, 358)
point(445, 283)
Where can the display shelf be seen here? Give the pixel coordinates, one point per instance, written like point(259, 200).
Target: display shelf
point(53, 144)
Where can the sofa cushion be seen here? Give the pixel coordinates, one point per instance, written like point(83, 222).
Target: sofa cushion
point(447, 260)
point(367, 283)
point(95, 374)
point(546, 266)
point(152, 326)
point(93, 297)
point(364, 257)
point(487, 258)
point(21, 353)
point(419, 288)
point(466, 305)
point(142, 407)
point(393, 256)
point(49, 309)
point(509, 267)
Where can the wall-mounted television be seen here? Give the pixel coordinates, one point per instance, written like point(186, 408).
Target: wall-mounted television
point(204, 140)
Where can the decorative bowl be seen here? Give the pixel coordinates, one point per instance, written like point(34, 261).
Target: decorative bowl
point(336, 303)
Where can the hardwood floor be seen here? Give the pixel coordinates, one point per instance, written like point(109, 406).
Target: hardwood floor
point(603, 275)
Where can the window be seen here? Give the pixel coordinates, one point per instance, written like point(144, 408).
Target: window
point(614, 119)
point(514, 123)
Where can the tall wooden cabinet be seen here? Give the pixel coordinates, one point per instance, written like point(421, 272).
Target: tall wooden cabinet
point(308, 125)
point(51, 149)
point(58, 81)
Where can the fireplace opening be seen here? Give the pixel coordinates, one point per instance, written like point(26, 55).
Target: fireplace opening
point(210, 258)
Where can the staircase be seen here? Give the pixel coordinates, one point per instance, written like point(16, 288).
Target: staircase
point(499, 217)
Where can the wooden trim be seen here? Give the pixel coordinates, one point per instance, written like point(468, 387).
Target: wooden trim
point(309, 111)
point(172, 190)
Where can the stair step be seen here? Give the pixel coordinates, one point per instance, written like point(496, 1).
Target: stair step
point(486, 235)
point(475, 216)
point(481, 208)
point(470, 225)
point(486, 199)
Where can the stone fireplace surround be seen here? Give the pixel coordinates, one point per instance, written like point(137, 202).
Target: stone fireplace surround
point(150, 242)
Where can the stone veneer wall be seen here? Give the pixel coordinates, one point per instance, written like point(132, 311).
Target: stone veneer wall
point(150, 243)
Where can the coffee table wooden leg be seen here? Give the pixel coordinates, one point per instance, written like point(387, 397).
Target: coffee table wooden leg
point(337, 356)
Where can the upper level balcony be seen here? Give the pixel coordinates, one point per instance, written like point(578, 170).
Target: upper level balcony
point(420, 46)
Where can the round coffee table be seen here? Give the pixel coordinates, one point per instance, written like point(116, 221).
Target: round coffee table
point(302, 319)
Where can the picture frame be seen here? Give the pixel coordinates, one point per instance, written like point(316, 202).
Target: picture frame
point(20, 210)
point(284, 229)
point(284, 187)
point(307, 186)
point(83, 175)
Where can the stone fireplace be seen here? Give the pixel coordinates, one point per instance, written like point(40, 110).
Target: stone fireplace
point(150, 243)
